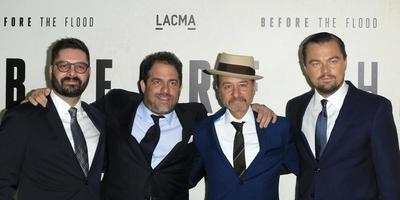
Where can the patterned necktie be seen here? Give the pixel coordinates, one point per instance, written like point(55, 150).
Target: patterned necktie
point(320, 131)
point(150, 140)
point(239, 161)
point(79, 142)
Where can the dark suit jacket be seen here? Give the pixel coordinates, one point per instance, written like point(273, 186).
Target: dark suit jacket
point(361, 159)
point(261, 179)
point(128, 175)
point(37, 159)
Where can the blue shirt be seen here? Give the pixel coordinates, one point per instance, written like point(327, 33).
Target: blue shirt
point(170, 134)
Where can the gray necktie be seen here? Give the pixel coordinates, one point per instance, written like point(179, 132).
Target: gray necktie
point(320, 131)
point(239, 160)
point(79, 142)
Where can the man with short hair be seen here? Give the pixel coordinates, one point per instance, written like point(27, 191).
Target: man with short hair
point(55, 152)
point(135, 170)
point(239, 159)
point(346, 138)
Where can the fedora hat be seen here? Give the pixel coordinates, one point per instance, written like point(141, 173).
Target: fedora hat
point(234, 66)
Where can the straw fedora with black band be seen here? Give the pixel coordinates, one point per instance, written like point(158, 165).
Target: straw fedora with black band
point(234, 66)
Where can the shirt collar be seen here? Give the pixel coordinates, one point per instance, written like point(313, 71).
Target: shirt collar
point(246, 118)
point(146, 113)
point(62, 106)
point(336, 99)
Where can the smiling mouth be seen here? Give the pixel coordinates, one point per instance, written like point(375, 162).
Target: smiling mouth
point(164, 98)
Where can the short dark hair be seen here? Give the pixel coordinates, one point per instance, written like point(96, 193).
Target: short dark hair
point(68, 43)
point(319, 38)
point(163, 57)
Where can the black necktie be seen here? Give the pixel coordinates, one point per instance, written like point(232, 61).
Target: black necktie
point(150, 140)
point(320, 131)
point(239, 161)
point(79, 142)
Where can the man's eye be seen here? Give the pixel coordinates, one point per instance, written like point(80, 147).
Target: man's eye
point(227, 87)
point(315, 64)
point(155, 82)
point(243, 85)
point(81, 66)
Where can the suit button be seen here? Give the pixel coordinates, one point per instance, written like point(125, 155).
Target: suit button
point(241, 182)
point(86, 182)
point(312, 195)
point(317, 170)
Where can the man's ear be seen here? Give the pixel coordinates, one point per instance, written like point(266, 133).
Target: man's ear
point(142, 86)
point(50, 71)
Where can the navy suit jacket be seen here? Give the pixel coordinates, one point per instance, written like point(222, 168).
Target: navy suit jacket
point(361, 159)
point(277, 155)
point(37, 159)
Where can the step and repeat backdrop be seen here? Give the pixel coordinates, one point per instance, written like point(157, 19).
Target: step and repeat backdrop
point(120, 34)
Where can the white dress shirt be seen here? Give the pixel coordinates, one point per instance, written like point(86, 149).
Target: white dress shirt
point(226, 135)
point(89, 130)
point(333, 106)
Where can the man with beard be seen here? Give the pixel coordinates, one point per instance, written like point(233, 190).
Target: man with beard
point(239, 159)
point(346, 138)
point(55, 152)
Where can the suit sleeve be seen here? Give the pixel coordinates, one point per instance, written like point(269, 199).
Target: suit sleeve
point(12, 149)
point(385, 152)
point(202, 113)
point(101, 102)
point(198, 171)
point(291, 159)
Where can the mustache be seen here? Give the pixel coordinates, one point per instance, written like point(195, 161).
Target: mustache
point(237, 99)
point(164, 95)
point(326, 76)
point(71, 79)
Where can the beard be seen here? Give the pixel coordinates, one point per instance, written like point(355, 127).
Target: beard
point(328, 89)
point(237, 104)
point(69, 91)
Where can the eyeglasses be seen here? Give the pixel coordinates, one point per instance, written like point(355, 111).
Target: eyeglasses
point(65, 66)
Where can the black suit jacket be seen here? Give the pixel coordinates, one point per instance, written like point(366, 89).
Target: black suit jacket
point(128, 175)
point(37, 159)
point(361, 159)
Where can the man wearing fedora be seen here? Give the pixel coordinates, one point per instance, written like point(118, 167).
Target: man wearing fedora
point(239, 159)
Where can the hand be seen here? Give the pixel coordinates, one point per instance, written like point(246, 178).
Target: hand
point(37, 96)
point(265, 115)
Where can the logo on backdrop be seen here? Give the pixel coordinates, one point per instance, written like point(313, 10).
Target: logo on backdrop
point(171, 21)
point(319, 22)
point(47, 21)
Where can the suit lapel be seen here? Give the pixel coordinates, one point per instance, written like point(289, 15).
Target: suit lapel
point(299, 121)
point(187, 120)
point(100, 125)
point(346, 115)
point(126, 121)
point(215, 142)
point(53, 117)
point(268, 143)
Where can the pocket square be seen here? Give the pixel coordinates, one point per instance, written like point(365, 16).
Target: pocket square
point(190, 139)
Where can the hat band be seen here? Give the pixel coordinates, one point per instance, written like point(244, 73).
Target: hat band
point(237, 69)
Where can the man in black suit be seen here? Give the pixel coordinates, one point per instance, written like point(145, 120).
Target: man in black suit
point(346, 137)
point(134, 172)
point(55, 152)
